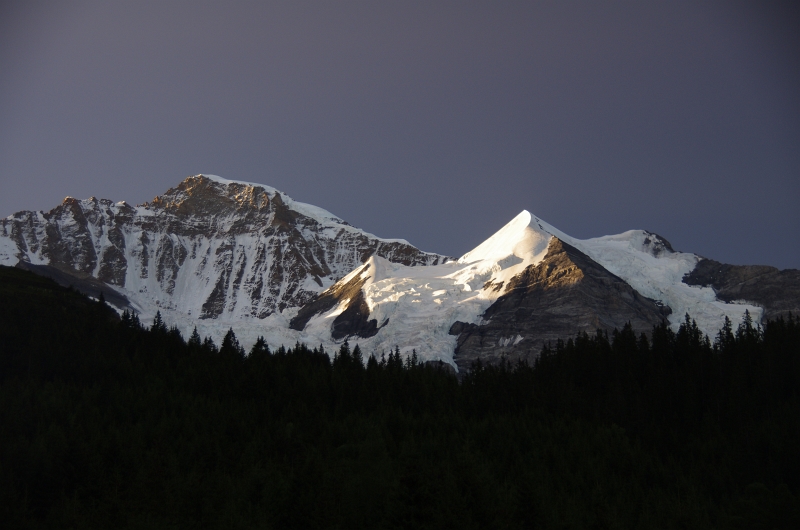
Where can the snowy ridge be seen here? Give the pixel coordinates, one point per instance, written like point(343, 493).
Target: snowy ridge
point(211, 252)
point(322, 216)
point(655, 271)
point(420, 304)
point(658, 275)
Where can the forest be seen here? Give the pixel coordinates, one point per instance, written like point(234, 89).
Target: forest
point(109, 422)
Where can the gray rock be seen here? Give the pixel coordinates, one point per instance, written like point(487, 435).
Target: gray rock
point(777, 291)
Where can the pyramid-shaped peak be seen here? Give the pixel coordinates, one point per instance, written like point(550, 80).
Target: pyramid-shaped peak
point(210, 194)
point(215, 185)
point(227, 182)
point(525, 237)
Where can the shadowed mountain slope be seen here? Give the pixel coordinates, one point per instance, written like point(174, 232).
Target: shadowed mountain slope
point(564, 294)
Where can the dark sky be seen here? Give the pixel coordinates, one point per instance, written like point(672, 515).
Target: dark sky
point(434, 121)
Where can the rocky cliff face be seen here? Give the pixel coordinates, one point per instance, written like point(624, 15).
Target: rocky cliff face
point(777, 291)
point(209, 248)
point(565, 294)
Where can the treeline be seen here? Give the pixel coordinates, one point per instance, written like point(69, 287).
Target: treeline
point(105, 422)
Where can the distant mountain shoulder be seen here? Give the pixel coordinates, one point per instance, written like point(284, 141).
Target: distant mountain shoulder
point(777, 291)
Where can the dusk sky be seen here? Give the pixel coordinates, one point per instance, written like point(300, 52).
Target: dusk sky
point(433, 121)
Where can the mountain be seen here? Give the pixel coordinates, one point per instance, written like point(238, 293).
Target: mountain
point(209, 251)
point(529, 284)
point(777, 291)
point(219, 254)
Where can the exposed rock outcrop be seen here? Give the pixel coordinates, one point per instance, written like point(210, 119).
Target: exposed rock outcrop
point(777, 291)
point(353, 321)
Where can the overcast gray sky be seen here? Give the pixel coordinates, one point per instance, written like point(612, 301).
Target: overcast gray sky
point(432, 121)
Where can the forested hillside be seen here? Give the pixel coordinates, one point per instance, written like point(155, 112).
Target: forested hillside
point(109, 423)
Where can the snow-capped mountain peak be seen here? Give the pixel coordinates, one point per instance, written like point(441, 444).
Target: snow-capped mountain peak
point(523, 237)
point(209, 250)
point(212, 198)
point(635, 276)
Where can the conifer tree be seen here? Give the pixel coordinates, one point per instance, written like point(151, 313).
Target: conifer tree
point(358, 358)
point(195, 341)
point(209, 346)
point(230, 345)
point(372, 363)
point(158, 324)
point(343, 358)
point(725, 337)
point(260, 348)
point(748, 332)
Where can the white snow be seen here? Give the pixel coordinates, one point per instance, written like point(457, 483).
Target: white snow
point(8, 252)
point(149, 284)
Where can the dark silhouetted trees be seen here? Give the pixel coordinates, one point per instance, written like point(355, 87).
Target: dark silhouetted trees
point(107, 423)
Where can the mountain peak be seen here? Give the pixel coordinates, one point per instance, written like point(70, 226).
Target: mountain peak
point(211, 195)
point(524, 237)
point(205, 195)
point(208, 248)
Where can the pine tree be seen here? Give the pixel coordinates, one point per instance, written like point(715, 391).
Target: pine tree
point(230, 345)
point(395, 361)
point(209, 346)
point(175, 333)
point(260, 348)
point(195, 341)
point(372, 363)
point(358, 358)
point(343, 358)
point(725, 338)
point(748, 332)
point(158, 324)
